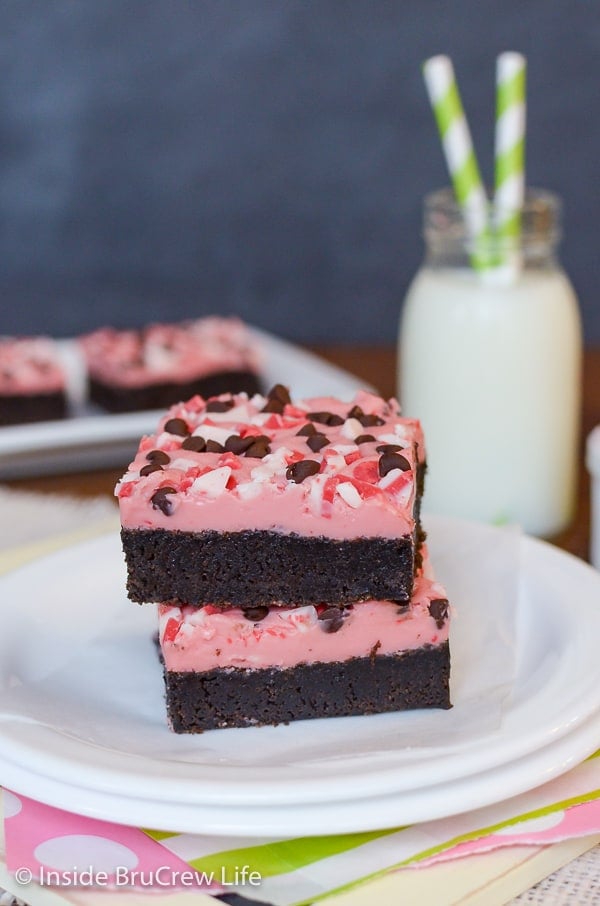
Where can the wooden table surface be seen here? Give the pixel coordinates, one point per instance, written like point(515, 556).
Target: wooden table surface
point(377, 365)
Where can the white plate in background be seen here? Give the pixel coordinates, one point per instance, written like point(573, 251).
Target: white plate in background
point(91, 439)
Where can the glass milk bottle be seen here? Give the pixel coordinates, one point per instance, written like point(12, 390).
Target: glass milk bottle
point(490, 362)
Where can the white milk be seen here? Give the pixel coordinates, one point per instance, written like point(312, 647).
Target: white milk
point(493, 372)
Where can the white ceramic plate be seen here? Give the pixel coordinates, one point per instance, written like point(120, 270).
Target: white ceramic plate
point(91, 439)
point(82, 720)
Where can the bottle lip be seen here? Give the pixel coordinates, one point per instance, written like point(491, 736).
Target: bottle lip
point(540, 218)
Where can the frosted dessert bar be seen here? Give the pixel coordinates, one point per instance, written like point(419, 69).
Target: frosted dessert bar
point(161, 364)
point(32, 381)
point(239, 668)
point(245, 502)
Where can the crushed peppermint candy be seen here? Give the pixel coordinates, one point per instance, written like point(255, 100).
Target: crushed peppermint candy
point(235, 445)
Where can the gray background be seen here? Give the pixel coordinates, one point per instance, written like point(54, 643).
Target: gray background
point(161, 158)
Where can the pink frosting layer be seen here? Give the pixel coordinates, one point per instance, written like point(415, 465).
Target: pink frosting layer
point(30, 365)
point(200, 639)
point(174, 353)
point(348, 497)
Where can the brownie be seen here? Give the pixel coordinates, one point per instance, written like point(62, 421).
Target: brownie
point(250, 568)
point(32, 380)
point(243, 698)
point(158, 365)
point(116, 398)
point(39, 407)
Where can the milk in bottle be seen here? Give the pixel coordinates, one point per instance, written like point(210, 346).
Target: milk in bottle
point(490, 362)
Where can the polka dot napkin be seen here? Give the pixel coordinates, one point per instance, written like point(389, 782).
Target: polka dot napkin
point(61, 848)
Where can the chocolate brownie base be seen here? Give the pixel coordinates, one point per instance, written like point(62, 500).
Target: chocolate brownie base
point(245, 569)
point(40, 407)
point(160, 396)
point(243, 698)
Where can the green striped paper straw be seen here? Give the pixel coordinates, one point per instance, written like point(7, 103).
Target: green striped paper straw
point(509, 154)
point(460, 156)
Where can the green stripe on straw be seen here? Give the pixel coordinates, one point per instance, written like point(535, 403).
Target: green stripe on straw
point(510, 157)
point(462, 163)
point(511, 91)
point(510, 161)
point(448, 109)
point(465, 178)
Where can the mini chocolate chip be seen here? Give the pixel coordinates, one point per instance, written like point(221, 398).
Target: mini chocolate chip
point(355, 412)
point(273, 405)
point(279, 392)
point(322, 417)
point(317, 442)
point(195, 443)
point(370, 421)
point(438, 608)
point(306, 430)
point(389, 448)
point(151, 467)
point(213, 446)
point(256, 614)
point(325, 418)
point(298, 471)
point(259, 447)
point(158, 456)
point(403, 607)
point(364, 439)
point(389, 461)
point(330, 613)
point(238, 445)
point(219, 405)
point(160, 500)
point(331, 619)
point(177, 426)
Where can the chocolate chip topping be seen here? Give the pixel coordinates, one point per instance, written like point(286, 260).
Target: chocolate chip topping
point(325, 418)
point(238, 445)
point(367, 421)
point(389, 448)
point(177, 426)
point(331, 619)
point(158, 456)
point(151, 467)
point(371, 421)
point(213, 446)
point(438, 608)
point(317, 442)
point(256, 614)
point(195, 443)
point(279, 392)
point(160, 500)
point(364, 439)
point(306, 430)
point(219, 405)
point(355, 412)
point(259, 447)
point(389, 461)
point(273, 405)
point(298, 471)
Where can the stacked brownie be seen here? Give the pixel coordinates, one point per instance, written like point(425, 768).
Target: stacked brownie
point(157, 365)
point(32, 381)
point(282, 543)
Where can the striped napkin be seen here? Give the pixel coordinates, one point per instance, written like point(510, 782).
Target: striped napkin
point(61, 849)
